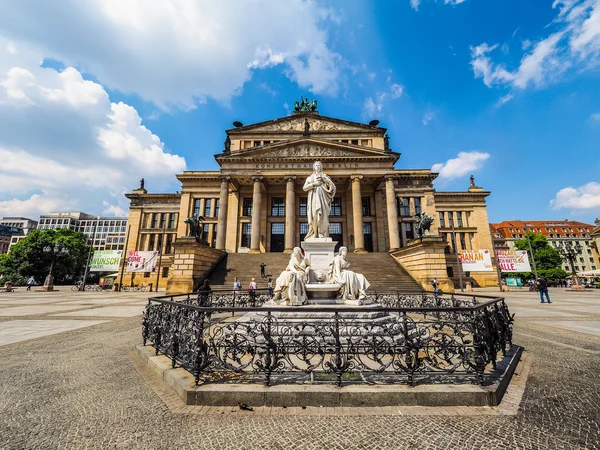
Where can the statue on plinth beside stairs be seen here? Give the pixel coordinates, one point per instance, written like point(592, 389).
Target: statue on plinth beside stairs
point(424, 224)
point(321, 192)
point(290, 286)
point(353, 285)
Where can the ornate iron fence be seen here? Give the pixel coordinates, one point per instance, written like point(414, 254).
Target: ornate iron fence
point(403, 337)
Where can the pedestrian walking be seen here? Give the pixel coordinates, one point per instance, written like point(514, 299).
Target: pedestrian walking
point(434, 284)
point(270, 287)
point(203, 293)
point(252, 287)
point(237, 285)
point(262, 270)
point(543, 288)
point(30, 282)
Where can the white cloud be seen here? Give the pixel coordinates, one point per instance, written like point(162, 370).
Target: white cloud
point(586, 197)
point(595, 117)
point(428, 116)
point(371, 109)
point(573, 44)
point(180, 52)
point(396, 90)
point(64, 145)
point(504, 100)
point(463, 164)
point(415, 3)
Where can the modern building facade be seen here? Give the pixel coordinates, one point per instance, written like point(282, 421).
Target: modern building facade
point(558, 232)
point(13, 229)
point(255, 203)
point(103, 233)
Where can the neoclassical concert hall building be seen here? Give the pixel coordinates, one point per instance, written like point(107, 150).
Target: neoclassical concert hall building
point(255, 202)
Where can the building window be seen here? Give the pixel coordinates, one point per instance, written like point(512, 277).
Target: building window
point(172, 221)
point(335, 228)
point(216, 207)
point(336, 207)
point(303, 230)
point(277, 228)
point(366, 206)
point(442, 220)
point(163, 220)
point(197, 207)
point(303, 206)
point(154, 221)
point(459, 219)
point(410, 232)
point(169, 244)
point(151, 238)
point(205, 229)
point(404, 207)
point(247, 233)
point(146, 274)
point(214, 239)
point(277, 207)
point(165, 272)
point(417, 205)
point(450, 271)
point(207, 206)
point(463, 242)
point(247, 207)
point(450, 219)
point(354, 141)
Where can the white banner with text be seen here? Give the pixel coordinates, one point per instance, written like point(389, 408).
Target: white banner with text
point(141, 261)
point(476, 260)
point(106, 260)
point(513, 260)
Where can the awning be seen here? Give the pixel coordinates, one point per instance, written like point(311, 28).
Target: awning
point(112, 275)
point(589, 273)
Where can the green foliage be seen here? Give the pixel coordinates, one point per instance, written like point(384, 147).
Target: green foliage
point(546, 256)
point(28, 258)
point(553, 274)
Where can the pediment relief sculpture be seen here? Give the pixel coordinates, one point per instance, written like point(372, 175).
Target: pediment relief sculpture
point(298, 125)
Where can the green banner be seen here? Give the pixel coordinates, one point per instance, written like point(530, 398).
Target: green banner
point(106, 260)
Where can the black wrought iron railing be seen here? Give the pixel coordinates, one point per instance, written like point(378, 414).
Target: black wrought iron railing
point(403, 337)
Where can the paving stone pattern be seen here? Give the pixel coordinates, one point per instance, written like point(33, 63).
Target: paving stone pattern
point(82, 389)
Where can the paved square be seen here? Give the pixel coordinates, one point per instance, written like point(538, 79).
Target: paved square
point(30, 310)
point(587, 327)
point(24, 330)
point(108, 311)
point(541, 312)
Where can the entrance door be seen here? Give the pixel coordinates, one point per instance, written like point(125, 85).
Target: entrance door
point(335, 233)
point(368, 236)
point(277, 237)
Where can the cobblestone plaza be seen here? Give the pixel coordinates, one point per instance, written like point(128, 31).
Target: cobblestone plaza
point(69, 379)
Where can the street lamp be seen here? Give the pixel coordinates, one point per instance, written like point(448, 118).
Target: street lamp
point(570, 252)
point(55, 251)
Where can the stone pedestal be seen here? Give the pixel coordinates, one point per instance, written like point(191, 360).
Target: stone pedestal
point(319, 252)
point(425, 260)
point(48, 283)
point(191, 263)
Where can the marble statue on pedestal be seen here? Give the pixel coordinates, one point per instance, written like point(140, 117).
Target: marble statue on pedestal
point(290, 286)
point(353, 285)
point(321, 191)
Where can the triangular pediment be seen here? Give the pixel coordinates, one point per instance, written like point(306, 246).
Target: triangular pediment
point(309, 148)
point(296, 123)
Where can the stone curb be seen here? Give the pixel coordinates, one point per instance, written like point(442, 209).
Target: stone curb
point(181, 382)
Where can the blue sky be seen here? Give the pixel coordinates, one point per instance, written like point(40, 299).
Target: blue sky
point(95, 95)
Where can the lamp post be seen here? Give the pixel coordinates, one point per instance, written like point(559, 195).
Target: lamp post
point(55, 250)
point(570, 252)
point(531, 253)
point(457, 258)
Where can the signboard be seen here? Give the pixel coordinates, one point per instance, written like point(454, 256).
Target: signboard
point(106, 260)
point(513, 260)
point(476, 260)
point(141, 261)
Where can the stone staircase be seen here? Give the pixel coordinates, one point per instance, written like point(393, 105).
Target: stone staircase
point(382, 271)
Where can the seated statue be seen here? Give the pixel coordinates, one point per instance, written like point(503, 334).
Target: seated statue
point(290, 286)
point(354, 285)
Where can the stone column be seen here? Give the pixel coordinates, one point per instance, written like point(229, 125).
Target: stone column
point(359, 238)
point(290, 213)
point(222, 219)
point(256, 206)
point(390, 195)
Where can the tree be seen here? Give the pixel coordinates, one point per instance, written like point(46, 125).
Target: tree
point(28, 258)
point(546, 256)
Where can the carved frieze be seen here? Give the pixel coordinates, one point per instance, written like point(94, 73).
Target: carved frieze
point(307, 150)
point(298, 125)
